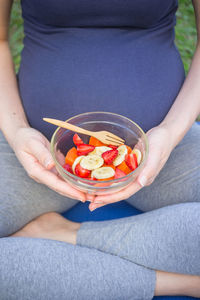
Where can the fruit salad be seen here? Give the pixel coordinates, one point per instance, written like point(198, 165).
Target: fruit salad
point(97, 161)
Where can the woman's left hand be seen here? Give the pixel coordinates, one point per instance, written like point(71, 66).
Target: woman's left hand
point(160, 147)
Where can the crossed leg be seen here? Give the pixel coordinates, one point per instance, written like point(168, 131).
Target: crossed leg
point(179, 180)
point(167, 255)
point(130, 246)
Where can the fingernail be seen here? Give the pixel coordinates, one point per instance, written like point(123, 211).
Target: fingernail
point(98, 202)
point(92, 209)
point(88, 199)
point(142, 180)
point(47, 162)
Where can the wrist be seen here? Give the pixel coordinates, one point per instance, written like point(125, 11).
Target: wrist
point(11, 126)
point(176, 129)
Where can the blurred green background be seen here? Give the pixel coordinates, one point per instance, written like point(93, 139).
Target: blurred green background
point(185, 32)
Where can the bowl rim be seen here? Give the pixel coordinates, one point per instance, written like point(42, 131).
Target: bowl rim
point(87, 181)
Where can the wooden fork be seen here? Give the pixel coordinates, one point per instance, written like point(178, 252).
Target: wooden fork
point(105, 137)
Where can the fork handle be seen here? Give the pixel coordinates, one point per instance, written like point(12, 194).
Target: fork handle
point(68, 126)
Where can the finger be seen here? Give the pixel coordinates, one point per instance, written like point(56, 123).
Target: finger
point(90, 197)
point(121, 195)
point(93, 206)
point(60, 185)
point(150, 171)
point(36, 171)
point(41, 152)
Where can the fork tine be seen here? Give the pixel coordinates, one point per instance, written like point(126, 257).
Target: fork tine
point(112, 142)
point(114, 137)
point(108, 142)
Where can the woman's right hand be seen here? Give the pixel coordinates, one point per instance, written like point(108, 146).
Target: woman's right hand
point(32, 149)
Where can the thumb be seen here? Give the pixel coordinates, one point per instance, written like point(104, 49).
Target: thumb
point(149, 172)
point(42, 154)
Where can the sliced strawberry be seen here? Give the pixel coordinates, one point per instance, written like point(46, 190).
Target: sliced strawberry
point(131, 161)
point(77, 140)
point(84, 149)
point(68, 168)
point(113, 147)
point(81, 172)
point(109, 156)
point(119, 173)
point(92, 178)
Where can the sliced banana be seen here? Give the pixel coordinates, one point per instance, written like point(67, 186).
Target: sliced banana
point(92, 162)
point(122, 151)
point(138, 154)
point(103, 173)
point(77, 161)
point(100, 150)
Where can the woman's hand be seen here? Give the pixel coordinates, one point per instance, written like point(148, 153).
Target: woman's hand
point(160, 147)
point(32, 150)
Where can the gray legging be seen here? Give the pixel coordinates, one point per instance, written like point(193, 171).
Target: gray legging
point(114, 259)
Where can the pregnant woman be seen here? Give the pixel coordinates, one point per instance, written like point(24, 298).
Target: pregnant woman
point(117, 56)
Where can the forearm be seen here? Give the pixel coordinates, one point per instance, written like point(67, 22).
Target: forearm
point(12, 116)
point(186, 107)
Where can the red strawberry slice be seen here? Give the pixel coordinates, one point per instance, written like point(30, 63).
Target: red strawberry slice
point(84, 149)
point(77, 140)
point(113, 147)
point(81, 172)
point(119, 173)
point(92, 178)
point(109, 156)
point(131, 161)
point(68, 168)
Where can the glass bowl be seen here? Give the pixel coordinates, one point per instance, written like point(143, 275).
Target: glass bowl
point(62, 141)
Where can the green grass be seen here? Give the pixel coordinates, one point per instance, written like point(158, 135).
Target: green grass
point(16, 33)
point(185, 32)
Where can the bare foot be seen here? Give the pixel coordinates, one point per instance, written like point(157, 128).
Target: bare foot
point(50, 226)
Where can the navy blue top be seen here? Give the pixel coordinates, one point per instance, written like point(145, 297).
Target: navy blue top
point(99, 55)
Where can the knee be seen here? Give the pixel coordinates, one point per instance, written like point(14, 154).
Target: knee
point(188, 216)
point(6, 227)
point(10, 221)
point(189, 209)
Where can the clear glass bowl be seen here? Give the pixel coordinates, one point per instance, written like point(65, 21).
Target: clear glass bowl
point(62, 141)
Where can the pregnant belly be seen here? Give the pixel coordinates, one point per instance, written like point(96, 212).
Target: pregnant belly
point(116, 70)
